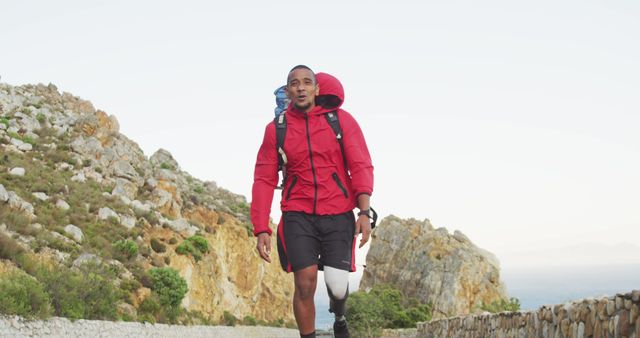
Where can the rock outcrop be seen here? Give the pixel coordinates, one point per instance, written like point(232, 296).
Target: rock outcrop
point(432, 265)
point(66, 167)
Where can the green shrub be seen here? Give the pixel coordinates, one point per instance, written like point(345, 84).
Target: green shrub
point(146, 318)
point(9, 248)
point(276, 323)
point(240, 208)
point(158, 246)
point(196, 317)
point(57, 243)
point(29, 139)
point(200, 243)
point(23, 295)
point(186, 248)
point(151, 218)
point(194, 245)
point(502, 305)
point(149, 305)
point(126, 248)
point(168, 285)
point(130, 285)
point(229, 319)
point(141, 275)
point(383, 307)
point(16, 221)
point(145, 251)
point(86, 292)
point(249, 320)
point(199, 189)
point(4, 121)
point(41, 118)
point(164, 165)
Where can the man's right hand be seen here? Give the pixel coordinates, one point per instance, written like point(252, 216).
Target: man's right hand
point(264, 246)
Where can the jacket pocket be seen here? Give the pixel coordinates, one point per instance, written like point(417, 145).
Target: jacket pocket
point(293, 182)
point(339, 183)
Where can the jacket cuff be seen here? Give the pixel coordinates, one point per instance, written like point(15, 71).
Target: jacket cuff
point(256, 233)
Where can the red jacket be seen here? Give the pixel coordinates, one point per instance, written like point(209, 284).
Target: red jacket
point(317, 182)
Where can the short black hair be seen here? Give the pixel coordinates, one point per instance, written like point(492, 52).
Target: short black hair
point(302, 67)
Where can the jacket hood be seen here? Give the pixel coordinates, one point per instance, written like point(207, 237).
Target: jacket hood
point(331, 94)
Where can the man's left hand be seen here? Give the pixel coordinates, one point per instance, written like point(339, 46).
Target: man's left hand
point(363, 225)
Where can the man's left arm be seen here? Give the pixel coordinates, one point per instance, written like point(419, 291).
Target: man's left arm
point(361, 170)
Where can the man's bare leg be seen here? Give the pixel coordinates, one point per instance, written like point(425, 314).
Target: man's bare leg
point(303, 307)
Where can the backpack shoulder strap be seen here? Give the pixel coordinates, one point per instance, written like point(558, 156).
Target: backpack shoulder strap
point(281, 131)
point(332, 119)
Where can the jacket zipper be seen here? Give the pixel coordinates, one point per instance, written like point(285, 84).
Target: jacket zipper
point(293, 182)
point(337, 179)
point(313, 169)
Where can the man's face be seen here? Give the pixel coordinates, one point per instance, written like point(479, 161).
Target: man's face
point(302, 89)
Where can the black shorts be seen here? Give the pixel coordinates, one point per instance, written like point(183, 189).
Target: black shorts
point(305, 240)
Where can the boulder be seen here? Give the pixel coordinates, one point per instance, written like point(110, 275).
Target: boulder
point(430, 264)
point(140, 207)
point(124, 169)
point(90, 146)
point(62, 204)
point(17, 171)
point(17, 203)
point(99, 125)
point(27, 122)
point(182, 225)
point(79, 177)
point(64, 166)
point(105, 213)
point(166, 175)
point(74, 232)
point(22, 146)
point(40, 195)
point(125, 188)
point(128, 222)
point(86, 258)
point(163, 158)
point(4, 194)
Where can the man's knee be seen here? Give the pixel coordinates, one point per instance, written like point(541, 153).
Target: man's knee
point(305, 282)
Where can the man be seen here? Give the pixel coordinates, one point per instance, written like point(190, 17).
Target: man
point(326, 178)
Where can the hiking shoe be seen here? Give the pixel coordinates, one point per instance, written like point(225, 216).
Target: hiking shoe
point(340, 329)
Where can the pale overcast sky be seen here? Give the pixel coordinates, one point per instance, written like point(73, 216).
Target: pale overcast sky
point(514, 122)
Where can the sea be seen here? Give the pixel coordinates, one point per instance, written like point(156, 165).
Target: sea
point(538, 286)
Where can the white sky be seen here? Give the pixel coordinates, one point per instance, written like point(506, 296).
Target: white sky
point(514, 122)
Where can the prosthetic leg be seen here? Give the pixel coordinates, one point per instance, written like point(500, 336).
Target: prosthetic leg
point(337, 282)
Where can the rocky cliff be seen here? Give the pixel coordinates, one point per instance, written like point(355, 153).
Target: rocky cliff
point(72, 187)
point(447, 270)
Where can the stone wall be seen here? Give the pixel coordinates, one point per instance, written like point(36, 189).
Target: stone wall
point(615, 316)
point(12, 326)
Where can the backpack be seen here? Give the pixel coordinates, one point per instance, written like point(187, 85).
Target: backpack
point(282, 101)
